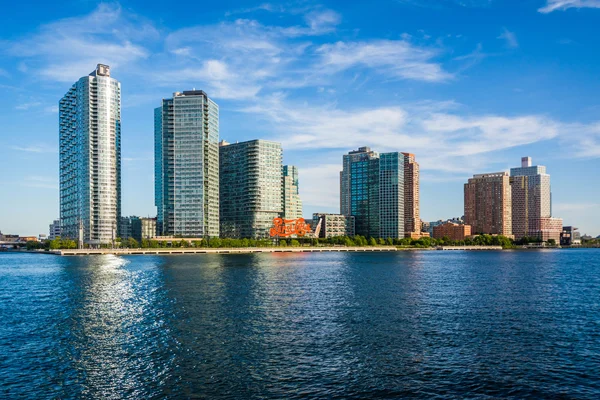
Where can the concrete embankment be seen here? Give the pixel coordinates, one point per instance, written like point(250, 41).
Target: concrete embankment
point(89, 252)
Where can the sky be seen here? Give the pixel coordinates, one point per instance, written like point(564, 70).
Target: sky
point(468, 86)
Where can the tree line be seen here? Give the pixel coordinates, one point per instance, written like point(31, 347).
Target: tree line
point(346, 241)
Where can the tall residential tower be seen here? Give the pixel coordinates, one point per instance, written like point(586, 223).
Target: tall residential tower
point(381, 191)
point(532, 203)
point(251, 184)
point(292, 205)
point(90, 159)
point(186, 152)
point(488, 204)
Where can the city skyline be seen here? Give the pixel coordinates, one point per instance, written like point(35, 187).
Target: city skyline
point(458, 112)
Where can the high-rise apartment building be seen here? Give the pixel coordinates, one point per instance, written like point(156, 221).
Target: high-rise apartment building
point(412, 207)
point(90, 158)
point(359, 190)
point(186, 151)
point(251, 184)
point(391, 196)
point(532, 203)
point(488, 204)
point(292, 205)
point(376, 188)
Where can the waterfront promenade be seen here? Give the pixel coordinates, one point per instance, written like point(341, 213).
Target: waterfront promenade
point(239, 250)
point(250, 250)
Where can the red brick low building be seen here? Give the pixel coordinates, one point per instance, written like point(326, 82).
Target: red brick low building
point(452, 231)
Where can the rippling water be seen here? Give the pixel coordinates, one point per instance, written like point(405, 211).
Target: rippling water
point(427, 324)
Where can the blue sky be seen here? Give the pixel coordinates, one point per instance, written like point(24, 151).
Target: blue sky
point(469, 86)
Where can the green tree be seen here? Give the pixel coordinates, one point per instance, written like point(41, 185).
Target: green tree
point(372, 242)
point(132, 243)
point(294, 243)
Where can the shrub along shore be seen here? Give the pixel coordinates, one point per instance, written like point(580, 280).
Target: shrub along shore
point(359, 241)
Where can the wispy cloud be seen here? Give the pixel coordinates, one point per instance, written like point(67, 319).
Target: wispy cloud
point(554, 5)
point(438, 4)
point(42, 148)
point(67, 49)
point(428, 128)
point(27, 106)
point(510, 38)
point(4, 73)
point(395, 58)
point(43, 182)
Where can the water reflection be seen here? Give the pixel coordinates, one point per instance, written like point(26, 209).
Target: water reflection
point(116, 328)
point(510, 324)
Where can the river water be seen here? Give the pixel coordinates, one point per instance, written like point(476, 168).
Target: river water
point(510, 324)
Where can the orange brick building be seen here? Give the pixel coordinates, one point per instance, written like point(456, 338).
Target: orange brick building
point(452, 231)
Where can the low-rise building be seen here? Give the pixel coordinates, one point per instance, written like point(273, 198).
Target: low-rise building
point(452, 230)
point(332, 225)
point(55, 229)
point(570, 236)
point(125, 228)
point(546, 229)
point(143, 228)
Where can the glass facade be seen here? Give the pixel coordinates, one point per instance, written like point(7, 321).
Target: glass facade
point(186, 132)
point(372, 189)
point(292, 205)
point(391, 195)
point(251, 188)
point(90, 158)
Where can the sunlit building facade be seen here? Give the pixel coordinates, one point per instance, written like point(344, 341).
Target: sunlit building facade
point(488, 204)
point(327, 225)
point(391, 196)
point(90, 159)
point(381, 191)
point(186, 137)
point(532, 203)
point(292, 205)
point(412, 202)
point(251, 184)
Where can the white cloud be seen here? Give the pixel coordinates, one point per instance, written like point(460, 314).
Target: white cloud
point(43, 182)
point(27, 106)
point(40, 148)
point(395, 58)
point(67, 49)
point(553, 5)
point(510, 38)
point(425, 128)
point(321, 185)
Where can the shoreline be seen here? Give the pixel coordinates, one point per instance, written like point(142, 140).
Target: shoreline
point(255, 250)
point(258, 250)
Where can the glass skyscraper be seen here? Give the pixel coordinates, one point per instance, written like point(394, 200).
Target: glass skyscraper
point(391, 195)
point(372, 190)
point(292, 205)
point(90, 158)
point(251, 185)
point(186, 147)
